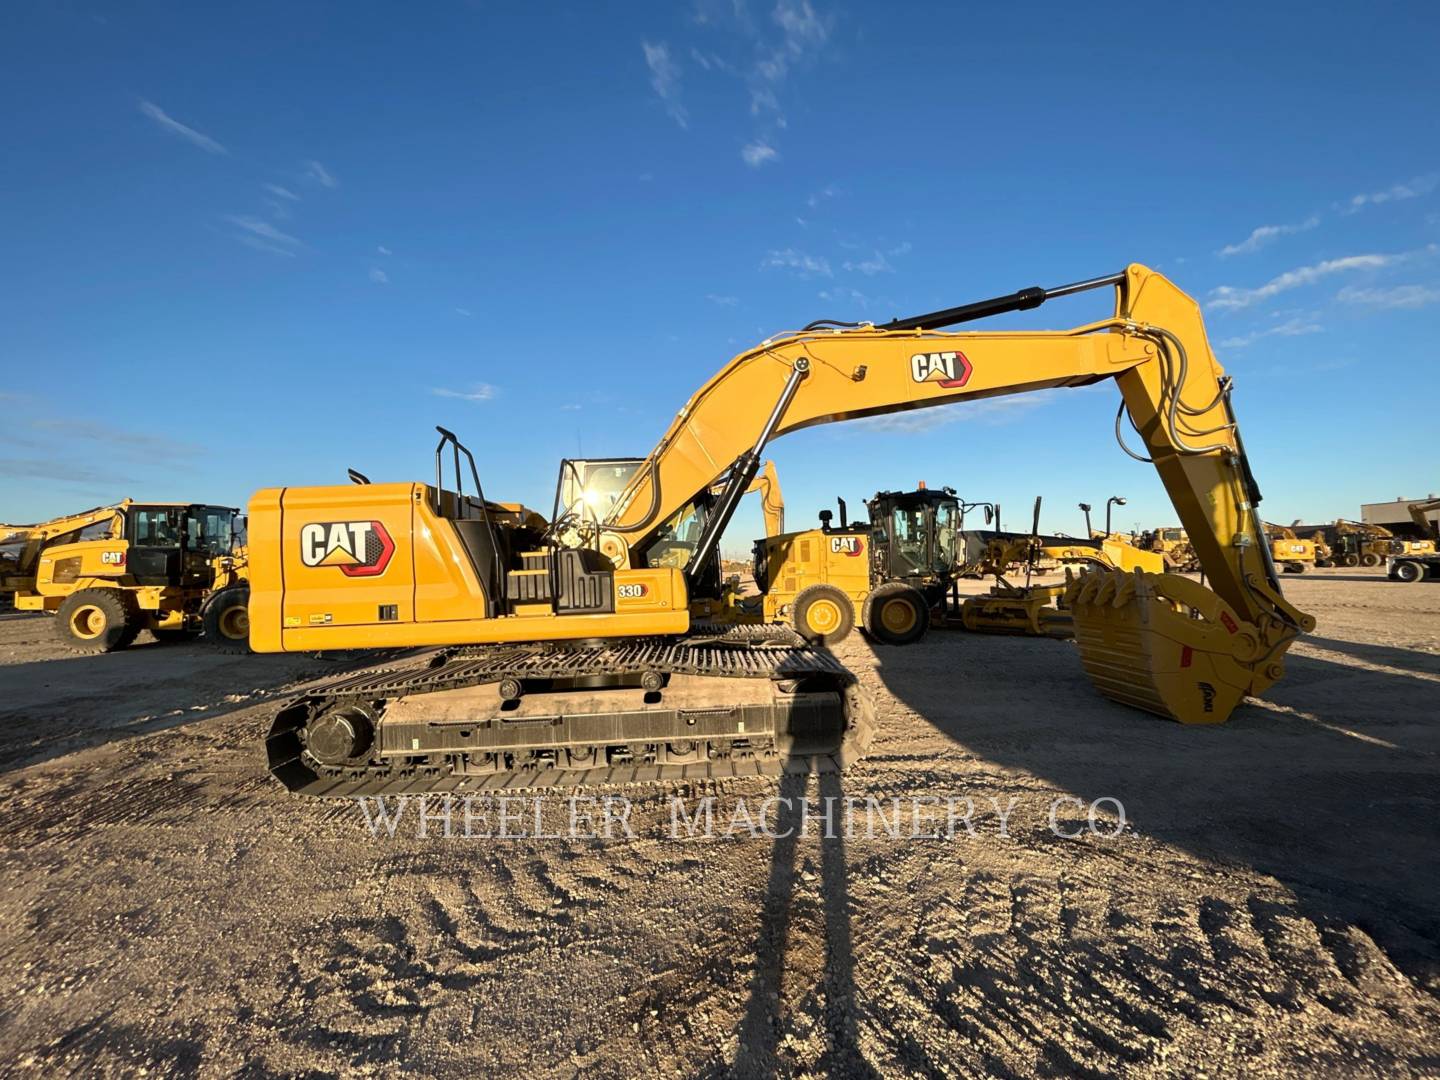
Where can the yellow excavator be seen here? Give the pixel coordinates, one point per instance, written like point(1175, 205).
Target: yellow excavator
point(1289, 550)
point(588, 647)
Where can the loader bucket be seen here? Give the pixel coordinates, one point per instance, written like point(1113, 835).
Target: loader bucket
point(1167, 644)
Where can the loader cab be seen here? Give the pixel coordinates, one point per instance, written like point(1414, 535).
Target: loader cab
point(173, 544)
point(914, 535)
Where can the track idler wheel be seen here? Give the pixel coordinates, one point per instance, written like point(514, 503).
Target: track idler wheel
point(1168, 645)
point(341, 735)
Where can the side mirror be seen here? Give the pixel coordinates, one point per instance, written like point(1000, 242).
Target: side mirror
point(989, 515)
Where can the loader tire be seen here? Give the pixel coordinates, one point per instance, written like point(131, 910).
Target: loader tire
point(823, 615)
point(1369, 559)
point(227, 620)
point(896, 614)
point(97, 621)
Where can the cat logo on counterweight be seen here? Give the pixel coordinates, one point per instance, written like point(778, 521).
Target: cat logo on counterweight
point(357, 548)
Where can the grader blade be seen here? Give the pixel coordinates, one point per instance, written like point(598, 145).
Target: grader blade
point(1170, 646)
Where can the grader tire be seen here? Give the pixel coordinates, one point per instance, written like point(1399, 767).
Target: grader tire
point(1369, 559)
point(97, 621)
point(823, 615)
point(1351, 560)
point(227, 620)
point(896, 614)
point(1408, 571)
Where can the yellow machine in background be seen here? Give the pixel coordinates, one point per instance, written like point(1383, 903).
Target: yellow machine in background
point(1037, 610)
point(584, 647)
point(1173, 545)
point(110, 572)
point(1364, 544)
point(1288, 550)
point(888, 572)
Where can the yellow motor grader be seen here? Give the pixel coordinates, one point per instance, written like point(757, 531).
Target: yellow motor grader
point(175, 569)
point(586, 647)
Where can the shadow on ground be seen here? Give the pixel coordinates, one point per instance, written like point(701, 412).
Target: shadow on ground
point(1330, 782)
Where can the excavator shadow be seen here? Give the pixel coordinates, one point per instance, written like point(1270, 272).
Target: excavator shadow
point(55, 707)
point(832, 990)
point(1330, 782)
point(1411, 660)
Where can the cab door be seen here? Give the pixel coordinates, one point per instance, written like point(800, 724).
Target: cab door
point(155, 535)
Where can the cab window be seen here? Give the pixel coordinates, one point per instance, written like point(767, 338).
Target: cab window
point(157, 528)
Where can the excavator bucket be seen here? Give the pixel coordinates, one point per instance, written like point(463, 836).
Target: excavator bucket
point(1168, 645)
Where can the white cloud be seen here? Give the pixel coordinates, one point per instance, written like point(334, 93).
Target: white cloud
point(464, 311)
point(1410, 189)
point(383, 250)
point(318, 174)
point(846, 294)
point(1290, 328)
point(816, 198)
point(1229, 298)
point(1397, 296)
point(723, 301)
point(478, 392)
point(189, 134)
point(1261, 236)
point(260, 245)
point(262, 236)
point(758, 153)
point(378, 276)
point(876, 264)
point(798, 261)
point(993, 412)
point(282, 192)
point(665, 80)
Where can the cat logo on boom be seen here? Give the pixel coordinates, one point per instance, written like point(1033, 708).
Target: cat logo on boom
point(949, 369)
point(357, 548)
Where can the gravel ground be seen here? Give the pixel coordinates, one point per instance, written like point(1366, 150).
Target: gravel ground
point(1268, 908)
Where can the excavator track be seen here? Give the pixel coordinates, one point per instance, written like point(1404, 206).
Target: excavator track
point(723, 701)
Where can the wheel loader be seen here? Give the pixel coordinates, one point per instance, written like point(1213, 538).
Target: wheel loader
point(586, 647)
point(112, 571)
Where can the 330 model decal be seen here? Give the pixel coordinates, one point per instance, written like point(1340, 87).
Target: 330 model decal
point(949, 369)
point(358, 548)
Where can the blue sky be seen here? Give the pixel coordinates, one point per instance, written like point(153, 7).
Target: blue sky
point(250, 246)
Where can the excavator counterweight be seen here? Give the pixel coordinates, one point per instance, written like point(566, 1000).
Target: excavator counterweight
point(619, 592)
